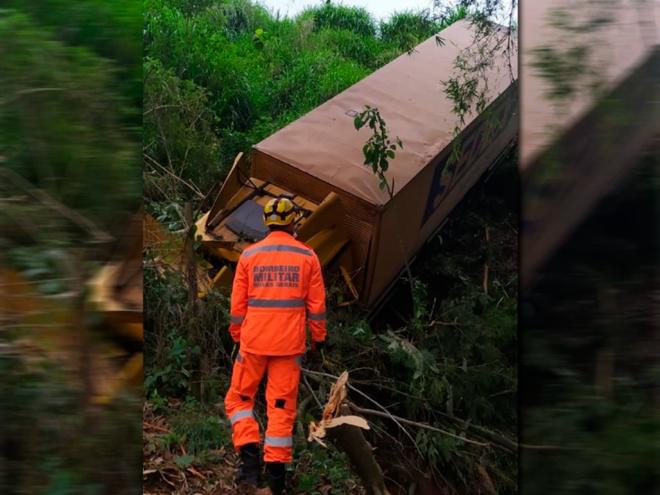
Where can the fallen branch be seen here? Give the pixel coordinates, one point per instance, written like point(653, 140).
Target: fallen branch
point(493, 437)
point(196, 473)
point(351, 440)
point(189, 185)
point(150, 426)
point(499, 439)
point(373, 412)
point(73, 216)
point(311, 391)
point(19, 94)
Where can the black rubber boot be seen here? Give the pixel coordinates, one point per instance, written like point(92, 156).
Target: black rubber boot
point(276, 473)
point(250, 465)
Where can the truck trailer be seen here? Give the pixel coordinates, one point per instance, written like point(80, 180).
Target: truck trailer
point(577, 148)
point(363, 235)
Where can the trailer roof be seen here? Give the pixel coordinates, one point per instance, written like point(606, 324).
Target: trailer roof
point(409, 94)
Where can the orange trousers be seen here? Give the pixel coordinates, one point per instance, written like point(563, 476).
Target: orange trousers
point(283, 377)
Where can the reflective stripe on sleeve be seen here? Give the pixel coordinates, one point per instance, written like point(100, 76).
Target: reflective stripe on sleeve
point(246, 413)
point(237, 320)
point(278, 441)
point(276, 303)
point(316, 316)
point(279, 248)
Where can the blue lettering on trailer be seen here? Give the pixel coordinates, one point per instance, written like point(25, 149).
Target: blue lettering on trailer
point(448, 172)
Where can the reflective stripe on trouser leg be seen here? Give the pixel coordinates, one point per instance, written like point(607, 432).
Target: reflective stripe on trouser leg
point(239, 401)
point(279, 441)
point(237, 416)
point(281, 399)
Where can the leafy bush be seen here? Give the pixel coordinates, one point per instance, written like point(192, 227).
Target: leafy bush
point(111, 29)
point(61, 124)
point(179, 122)
point(199, 428)
point(70, 118)
point(318, 467)
point(53, 446)
point(409, 28)
point(341, 17)
point(185, 342)
point(406, 29)
point(172, 378)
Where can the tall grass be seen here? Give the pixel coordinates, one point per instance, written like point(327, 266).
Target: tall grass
point(410, 27)
point(341, 17)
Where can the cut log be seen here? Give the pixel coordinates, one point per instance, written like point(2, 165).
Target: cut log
point(351, 440)
point(344, 430)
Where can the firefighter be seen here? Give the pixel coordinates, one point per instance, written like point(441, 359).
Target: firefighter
point(277, 289)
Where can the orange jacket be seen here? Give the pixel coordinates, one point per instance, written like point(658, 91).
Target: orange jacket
point(278, 286)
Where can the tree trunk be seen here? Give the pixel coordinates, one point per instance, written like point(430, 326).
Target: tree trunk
point(350, 440)
point(191, 273)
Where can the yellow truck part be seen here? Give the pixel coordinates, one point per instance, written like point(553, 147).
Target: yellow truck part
point(116, 294)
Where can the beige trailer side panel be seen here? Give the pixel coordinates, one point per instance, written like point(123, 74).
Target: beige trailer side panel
point(421, 207)
point(322, 152)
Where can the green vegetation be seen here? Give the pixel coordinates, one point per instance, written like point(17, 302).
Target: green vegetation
point(379, 148)
point(52, 447)
point(223, 75)
point(70, 118)
point(64, 125)
point(231, 73)
point(589, 359)
point(447, 360)
point(111, 30)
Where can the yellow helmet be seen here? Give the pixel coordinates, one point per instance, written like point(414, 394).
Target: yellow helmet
point(279, 211)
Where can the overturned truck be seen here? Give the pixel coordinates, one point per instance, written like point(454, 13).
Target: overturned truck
point(364, 236)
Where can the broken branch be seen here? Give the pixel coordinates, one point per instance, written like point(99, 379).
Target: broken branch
point(373, 412)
